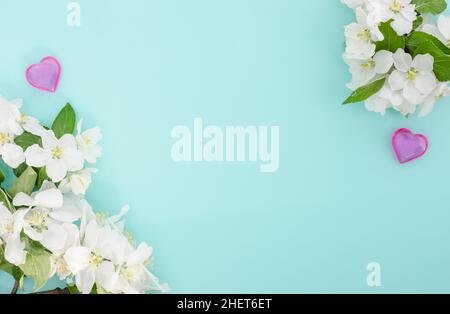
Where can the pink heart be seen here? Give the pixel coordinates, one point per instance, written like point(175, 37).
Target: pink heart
point(45, 75)
point(409, 146)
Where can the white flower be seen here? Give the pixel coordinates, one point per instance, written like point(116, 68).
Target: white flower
point(90, 261)
point(379, 102)
point(442, 31)
point(353, 4)
point(88, 143)
point(77, 182)
point(11, 153)
point(415, 78)
point(364, 71)
point(9, 110)
point(115, 222)
point(132, 276)
point(361, 37)
point(442, 90)
point(72, 206)
point(386, 98)
point(36, 218)
point(58, 238)
point(29, 124)
point(10, 228)
point(402, 12)
point(58, 156)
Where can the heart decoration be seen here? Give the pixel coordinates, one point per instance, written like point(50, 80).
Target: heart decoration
point(409, 146)
point(44, 75)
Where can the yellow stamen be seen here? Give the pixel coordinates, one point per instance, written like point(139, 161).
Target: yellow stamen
point(57, 152)
point(22, 118)
point(396, 7)
point(101, 217)
point(4, 138)
point(127, 273)
point(368, 65)
point(412, 74)
point(365, 35)
point(95, 260)
point(35, 218)
point(87, 139)
point(7, 228)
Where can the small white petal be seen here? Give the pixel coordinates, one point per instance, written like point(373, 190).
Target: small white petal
point(13, 155)
point(52, 198)
point(22, 199)
point(36, 156)
point(402, 60)
point(397, 80)
point(56, 169)
point(423, 63)
point(15, 251)
point(77, 258)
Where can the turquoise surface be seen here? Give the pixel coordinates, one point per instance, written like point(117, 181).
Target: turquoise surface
point(339, 201)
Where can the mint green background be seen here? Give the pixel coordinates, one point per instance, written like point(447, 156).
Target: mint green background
point(339, 201)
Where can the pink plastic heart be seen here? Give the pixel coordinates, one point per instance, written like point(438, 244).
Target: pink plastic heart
point(409, 146)
point(44, 75)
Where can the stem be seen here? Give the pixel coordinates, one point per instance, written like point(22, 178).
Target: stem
point(15, 288)
point(56, 291)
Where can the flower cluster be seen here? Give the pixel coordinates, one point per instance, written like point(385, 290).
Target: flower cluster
point(398, 54)
point(47, 228)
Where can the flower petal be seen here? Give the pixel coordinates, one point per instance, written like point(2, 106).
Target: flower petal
point(423, 63)
point(22, 199)
point(56, 169)
point(85, 280)
point(402, 60)
point(36, 156)
point(77, 258)
point(52, 198)
point(444, 26)
point(383, 61)
point(15, 251)
point(397, 80)
point(13, 155)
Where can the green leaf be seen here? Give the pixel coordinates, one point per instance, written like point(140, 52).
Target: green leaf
point(365, 92)
point(7, 268)
point(429, 48)
point(392, 41)
point(416, 39)
point(442, 68)
point(24, 184)
point(17, 273)
point(417, 22)
point(5, 200)
point(73, 290)
point(2, 176)
point(42, 176)
point(27, 139)
point(434, 7)
point(33, 247)
point(19, 170)
point(64, 122)
point(38, 268)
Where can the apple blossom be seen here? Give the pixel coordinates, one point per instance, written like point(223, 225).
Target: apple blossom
point(58, 156)
point(414, 77)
